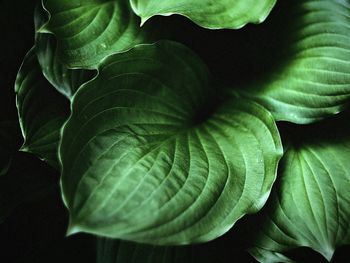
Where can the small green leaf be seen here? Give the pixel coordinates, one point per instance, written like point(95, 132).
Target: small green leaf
point(312, 78)
point(310, 206)
point(88, 31)
point(207, 13)
point(65, 80)
point(41, 109)
point(147, 157)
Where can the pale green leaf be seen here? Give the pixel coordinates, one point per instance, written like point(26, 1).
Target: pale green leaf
point(41, 109)
point(312, 78)
point(310, 206)
point(213, 14)
point(150, 154)
point(88, 31)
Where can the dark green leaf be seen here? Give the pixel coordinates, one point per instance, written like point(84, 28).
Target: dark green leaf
point(207, 13)
point(65, 80)
point(310, 206)
point(147, 157)
point(88, 31)
point(312, 78)
point(41, 109)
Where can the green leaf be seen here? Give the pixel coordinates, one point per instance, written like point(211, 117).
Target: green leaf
point(65, 80)
point(267, 256)
point(41, 109)
point(9, 143)
point(207, 13)
point(312, 79)
point(310, 206)
point(88, 31)
point(147, 155)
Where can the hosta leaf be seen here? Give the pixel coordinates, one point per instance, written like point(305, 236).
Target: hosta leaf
point(9, 143)
point(41, 109)
point(65, 80)
point(147, 157)
point(89, 30)
point(207, 13)
point(310, 205)
point(312, 79)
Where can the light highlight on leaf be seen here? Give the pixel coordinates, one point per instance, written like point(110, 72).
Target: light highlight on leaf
point(207, 13)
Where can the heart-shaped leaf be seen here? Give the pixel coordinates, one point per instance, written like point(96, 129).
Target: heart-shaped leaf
point(310, 206)
point(148, 156)
point(207, 13)
point(41, 109)
point(65, 80)
point(312, 78)
point(88, 31)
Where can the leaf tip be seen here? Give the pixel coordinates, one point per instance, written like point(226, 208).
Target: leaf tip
point(72, 229)
point(144, 20)
point(24, 148)
point(328, 253)
point(44, 29)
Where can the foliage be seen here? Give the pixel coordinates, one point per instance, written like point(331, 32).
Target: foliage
point(170, 134)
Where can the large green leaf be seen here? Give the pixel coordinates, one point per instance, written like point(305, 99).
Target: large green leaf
point(88, 31)
point(310, 206)
point(65, 80)
point(147, 155)
point(41, 109)
point(9, 143)
point(207, 13)
point(312, 77)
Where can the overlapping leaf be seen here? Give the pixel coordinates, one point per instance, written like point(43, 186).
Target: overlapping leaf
point(147, 157)
point(207, 13)
point(310, 205)
point(65, 80)
point(87, 31)
point(312, 79)
point(41, 109)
